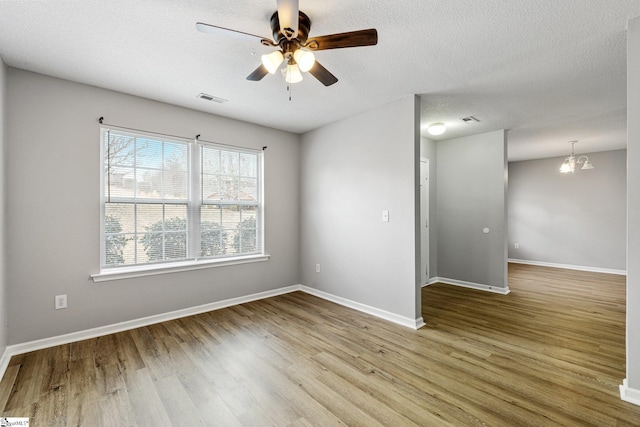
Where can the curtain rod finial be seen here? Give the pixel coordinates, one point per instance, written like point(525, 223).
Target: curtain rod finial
point(101, 119)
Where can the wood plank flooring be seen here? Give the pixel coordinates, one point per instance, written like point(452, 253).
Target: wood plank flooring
point(551, 353)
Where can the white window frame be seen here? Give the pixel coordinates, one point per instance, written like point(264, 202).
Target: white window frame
point(194, 203)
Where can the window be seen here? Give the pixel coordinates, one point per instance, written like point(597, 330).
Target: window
point(172, 200)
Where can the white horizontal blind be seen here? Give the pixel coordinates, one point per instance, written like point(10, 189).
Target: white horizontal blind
point(146, 199)
point(230, 209)
point(151, 212)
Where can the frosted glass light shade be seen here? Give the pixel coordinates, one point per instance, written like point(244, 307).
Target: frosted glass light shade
point(305, 59)
point(436, 129)
point(293, 74)
point(565, 168)
point(569, 165)
point(272, 61)
point(587, 165)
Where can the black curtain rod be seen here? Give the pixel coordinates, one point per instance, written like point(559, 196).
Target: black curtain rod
point(197, 138)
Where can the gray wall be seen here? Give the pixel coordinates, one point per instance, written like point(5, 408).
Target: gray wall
point(3, 283)
point(576, 219)
point(428, 149)
point(53, 205)
point(633, 200)
point(471, 195)
point(352, 170)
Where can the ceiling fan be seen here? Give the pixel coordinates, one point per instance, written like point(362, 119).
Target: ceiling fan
point(290, 29)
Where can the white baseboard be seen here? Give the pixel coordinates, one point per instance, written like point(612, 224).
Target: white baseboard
point(16, 349)
point(386, 315)
point(137, 323)
point(4, 361)
point(472, 285)
point(568, 266)
point(630, 395)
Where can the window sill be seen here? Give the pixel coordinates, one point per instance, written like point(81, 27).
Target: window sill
point(174, 267)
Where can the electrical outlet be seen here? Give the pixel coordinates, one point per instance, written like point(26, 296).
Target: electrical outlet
point(516, 245)
point(61, 301)
point(317, 268)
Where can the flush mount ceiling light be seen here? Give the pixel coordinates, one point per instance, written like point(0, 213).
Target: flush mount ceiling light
point(436, 128)
point(569, 164)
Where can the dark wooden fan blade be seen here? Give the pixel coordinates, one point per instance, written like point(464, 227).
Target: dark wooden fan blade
point(258, 74)
point(213, 29)
point(322, 74)
point(341, 40)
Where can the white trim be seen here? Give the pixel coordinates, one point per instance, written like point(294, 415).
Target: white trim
point(472, 285)
point(174, 267)
point(568, 266)
point(383, 314)
point(192, 201)
point(16, 349)
point(631, 395)
point(4, 361)
point(431, 281)
point(145, 321)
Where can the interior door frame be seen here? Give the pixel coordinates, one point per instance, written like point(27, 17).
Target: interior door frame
point(424, 221)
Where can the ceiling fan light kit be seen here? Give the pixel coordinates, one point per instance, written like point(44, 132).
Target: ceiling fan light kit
point(292, 73)
point(272, 61)
point(295, 48)
point(305, 59)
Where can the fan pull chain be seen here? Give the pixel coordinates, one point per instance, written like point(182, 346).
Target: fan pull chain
point(289, 90)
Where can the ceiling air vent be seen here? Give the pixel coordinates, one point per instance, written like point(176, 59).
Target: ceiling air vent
point(470, 119)
point(212, 98)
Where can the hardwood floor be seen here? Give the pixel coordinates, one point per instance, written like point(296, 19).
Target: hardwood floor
point(550, 353)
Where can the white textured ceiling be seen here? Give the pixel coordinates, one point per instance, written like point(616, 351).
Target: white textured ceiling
point(549, 71)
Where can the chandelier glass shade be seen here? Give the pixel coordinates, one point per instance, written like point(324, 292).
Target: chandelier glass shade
point(570, 163)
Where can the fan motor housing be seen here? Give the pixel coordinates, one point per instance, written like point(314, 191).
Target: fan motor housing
point(304, 25)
